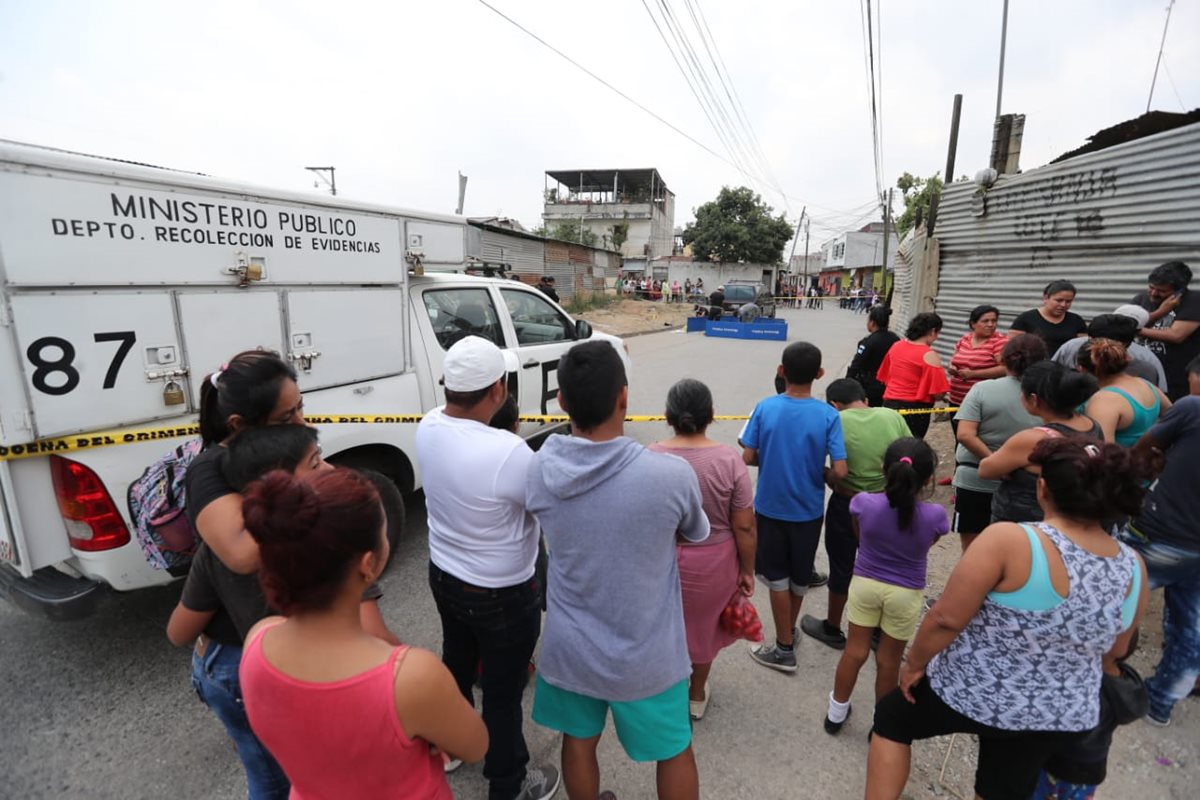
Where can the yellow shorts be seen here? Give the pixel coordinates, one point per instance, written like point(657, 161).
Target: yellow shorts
point(875, 604)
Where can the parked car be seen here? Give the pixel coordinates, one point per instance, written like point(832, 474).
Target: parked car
point(737, 294)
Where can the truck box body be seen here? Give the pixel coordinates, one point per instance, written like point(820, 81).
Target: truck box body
point(122, 286)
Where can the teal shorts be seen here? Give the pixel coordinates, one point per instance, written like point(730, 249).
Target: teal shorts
point(655, 728)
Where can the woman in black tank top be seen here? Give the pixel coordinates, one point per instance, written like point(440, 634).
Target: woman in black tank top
point(1053, 393)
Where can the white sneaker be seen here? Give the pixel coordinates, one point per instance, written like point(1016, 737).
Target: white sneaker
point(541, 783)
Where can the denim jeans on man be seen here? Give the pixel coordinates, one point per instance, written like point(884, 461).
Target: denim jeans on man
point(495, 629)
point(1177, 572)
point(215, 678)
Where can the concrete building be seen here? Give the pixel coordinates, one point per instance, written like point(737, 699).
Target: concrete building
point(855, 259)
point(600, 199)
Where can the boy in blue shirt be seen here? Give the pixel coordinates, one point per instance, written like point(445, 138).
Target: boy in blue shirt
point(788, 438)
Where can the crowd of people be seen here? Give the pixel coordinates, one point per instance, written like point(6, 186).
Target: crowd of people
point(1075, 495)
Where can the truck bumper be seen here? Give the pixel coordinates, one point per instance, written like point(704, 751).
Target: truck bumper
point(50, 593)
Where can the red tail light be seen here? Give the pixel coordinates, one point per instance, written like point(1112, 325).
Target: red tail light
point(93, 521)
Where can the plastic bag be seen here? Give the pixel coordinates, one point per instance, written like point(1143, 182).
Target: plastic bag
point(740, 619)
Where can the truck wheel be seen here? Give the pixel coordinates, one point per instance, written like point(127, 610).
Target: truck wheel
point(393, 507)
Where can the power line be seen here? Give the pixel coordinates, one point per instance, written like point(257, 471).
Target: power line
point(874, 113)
point(1174, 88)
point(608, 85)
point(693, 82)
point(640, 106)
point(701, 23)
point(701, 74)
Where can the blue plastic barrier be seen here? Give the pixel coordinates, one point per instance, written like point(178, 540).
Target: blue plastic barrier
point(771, 330)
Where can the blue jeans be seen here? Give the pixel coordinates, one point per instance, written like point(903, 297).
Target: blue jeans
point(1177, 572)
point(496, 629)
point(215, 678)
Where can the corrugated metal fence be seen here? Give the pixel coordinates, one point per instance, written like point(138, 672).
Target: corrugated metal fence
point(1101, 220)
point(523, 256)
point(577, 269)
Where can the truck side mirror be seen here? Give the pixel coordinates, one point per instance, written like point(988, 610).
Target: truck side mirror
point(583, 329)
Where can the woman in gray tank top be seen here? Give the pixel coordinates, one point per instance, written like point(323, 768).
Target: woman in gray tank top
point(1054, 394)
point(1014, 649)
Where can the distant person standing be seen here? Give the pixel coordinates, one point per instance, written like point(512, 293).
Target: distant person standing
point(1053, 321)
point(871, 351)
point(1174, 330)
point(977, 354)
point(912, 373)
point(483, 547)
point(545, 285)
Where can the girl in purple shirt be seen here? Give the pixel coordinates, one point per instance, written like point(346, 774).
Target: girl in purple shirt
point(895, 531)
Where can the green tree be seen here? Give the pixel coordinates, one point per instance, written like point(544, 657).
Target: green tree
point(917, 193)
point(572, 231)
point(737, 226)
point(620, 233)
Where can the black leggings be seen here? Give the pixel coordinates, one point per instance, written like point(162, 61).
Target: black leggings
point(1009, 761)
point(917, 423)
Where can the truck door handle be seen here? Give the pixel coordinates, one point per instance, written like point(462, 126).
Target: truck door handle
point(533, 362)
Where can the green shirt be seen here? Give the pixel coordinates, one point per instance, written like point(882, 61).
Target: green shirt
point(868, 433)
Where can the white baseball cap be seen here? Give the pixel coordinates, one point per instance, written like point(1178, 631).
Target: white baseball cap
point(471, 364)
point(1134, 312)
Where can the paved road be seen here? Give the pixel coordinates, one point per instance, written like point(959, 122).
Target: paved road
point(103, 708)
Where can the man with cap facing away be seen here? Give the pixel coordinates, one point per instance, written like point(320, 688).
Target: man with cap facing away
point(482, 549)
point(1121, 326)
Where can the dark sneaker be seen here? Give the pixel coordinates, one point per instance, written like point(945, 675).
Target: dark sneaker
point(833, 728)
point(540, 783)
point(817, 579)
point(607, 795)
point(820, 630)
point(1157, 721)
point(772, 657)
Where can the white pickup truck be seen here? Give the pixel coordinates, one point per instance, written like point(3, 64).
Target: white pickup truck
point(123, 285)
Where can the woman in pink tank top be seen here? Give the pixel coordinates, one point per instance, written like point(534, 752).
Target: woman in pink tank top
point(344, 713)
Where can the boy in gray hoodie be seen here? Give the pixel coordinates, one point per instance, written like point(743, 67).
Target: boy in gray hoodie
point(614, 638)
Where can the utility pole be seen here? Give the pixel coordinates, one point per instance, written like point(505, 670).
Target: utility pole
point(887, 221)
point(330, 179)
point(1003, 40)
point(806, 256)
point(1158, 60)
point(796, 240)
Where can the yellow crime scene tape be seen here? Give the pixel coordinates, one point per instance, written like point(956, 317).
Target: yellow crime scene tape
point(113, 438)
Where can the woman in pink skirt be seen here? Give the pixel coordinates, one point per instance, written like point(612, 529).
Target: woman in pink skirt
point(710, 571)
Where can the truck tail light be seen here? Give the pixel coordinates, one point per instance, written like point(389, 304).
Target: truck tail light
point(93, 521)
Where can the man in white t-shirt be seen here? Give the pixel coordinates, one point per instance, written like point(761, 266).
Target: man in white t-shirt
point(482, 549)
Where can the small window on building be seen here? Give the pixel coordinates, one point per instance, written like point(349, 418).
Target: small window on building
point(458, 313)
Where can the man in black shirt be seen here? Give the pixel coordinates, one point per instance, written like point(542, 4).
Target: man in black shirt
point(546, 287)
point(716, 303)
point(1174, 331)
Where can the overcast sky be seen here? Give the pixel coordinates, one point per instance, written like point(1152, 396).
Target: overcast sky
point(401, 96)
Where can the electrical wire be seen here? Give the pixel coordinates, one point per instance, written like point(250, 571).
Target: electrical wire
point(695, 83)
point(731, 92)
point(659, 118)
point(874, 113)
